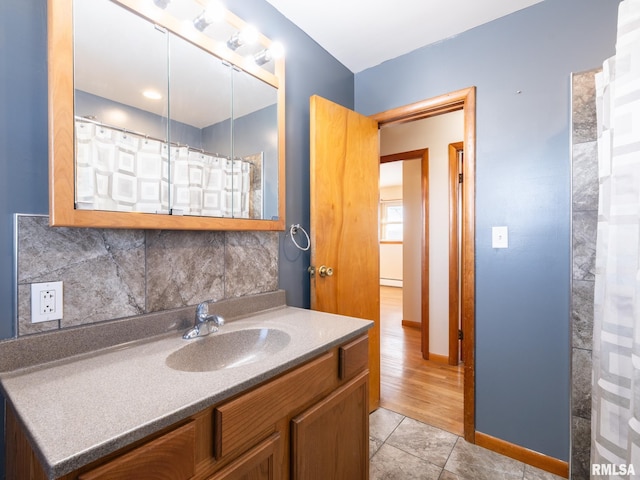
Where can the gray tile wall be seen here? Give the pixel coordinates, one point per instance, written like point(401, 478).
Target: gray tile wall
point(584, 217)
point(110, 274)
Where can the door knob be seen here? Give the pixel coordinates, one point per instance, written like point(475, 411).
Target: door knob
point(324, 271)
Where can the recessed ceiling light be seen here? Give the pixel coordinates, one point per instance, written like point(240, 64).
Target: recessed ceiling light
point(152, 94)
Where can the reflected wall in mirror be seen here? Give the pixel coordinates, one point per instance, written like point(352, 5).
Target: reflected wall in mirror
point(158, 124)
point(255, 140)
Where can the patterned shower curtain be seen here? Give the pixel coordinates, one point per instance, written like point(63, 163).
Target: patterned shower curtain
point(127, 172)
point(615, 445)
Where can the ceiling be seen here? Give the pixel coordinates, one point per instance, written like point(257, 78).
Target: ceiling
point(361, 35)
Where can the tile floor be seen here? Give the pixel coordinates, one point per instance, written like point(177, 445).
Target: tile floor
point(402, 448)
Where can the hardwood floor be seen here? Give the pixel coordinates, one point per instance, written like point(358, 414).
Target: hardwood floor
point(421, 389)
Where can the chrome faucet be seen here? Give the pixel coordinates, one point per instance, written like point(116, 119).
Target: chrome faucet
point(205, 323)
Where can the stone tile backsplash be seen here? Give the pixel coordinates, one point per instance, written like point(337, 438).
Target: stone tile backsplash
point(109, 273)
point(183, 268)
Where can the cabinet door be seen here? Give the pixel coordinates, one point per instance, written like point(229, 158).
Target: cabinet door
point(260, 463)
point(331, 439)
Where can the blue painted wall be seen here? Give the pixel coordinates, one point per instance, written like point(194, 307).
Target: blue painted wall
point(310, 70)
point(523, 181)
point(24, 173)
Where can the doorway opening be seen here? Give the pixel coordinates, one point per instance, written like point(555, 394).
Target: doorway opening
point(461, 100)
point(419, 251)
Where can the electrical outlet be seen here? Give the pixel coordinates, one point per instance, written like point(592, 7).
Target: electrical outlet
point(46, 302)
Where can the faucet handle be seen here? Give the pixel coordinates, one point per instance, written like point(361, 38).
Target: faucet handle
point(202, 310)
point(205, 323)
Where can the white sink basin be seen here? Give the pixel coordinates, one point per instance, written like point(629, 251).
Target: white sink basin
point(222, 350)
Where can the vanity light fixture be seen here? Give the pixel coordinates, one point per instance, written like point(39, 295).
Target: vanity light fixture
point(262, 57)
point(275, 51)
point(248, 36)
point(212, 14)
point(201, 22)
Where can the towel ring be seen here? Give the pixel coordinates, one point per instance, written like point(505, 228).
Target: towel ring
point(294, 230)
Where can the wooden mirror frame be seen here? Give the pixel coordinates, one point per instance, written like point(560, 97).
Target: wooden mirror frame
point(62, 211)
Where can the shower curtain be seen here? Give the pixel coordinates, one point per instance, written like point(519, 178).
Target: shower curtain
point(615, 445)
point(124, 171)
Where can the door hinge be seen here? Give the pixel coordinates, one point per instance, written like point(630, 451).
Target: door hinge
point(460, 335)
point(459, 178)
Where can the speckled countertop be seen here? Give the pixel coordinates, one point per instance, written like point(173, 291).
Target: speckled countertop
point(79, 409)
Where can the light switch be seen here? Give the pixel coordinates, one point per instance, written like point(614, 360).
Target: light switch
point(500, 237)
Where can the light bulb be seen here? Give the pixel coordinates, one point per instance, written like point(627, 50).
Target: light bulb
point(249, 35)
point(277, 50)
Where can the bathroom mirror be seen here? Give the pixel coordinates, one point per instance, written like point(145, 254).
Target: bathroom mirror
point(159, 120)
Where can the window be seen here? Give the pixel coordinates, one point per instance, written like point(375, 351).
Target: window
point(391, 220)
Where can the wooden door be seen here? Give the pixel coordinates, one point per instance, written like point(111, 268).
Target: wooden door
point(344, 178)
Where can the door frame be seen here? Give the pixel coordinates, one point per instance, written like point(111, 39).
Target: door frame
point(464, 99)
point(454, 254)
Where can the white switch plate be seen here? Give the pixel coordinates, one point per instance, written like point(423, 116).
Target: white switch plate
point(46, 301)
point(500, 237)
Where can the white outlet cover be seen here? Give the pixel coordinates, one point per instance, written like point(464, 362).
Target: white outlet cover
point(50, 290)
point(500, 237)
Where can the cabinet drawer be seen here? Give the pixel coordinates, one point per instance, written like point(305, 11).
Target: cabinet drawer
point(170, 457)
point(354, 357)
point(241, 423)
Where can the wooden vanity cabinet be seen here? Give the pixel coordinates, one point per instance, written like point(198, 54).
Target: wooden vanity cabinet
point(308, 423)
